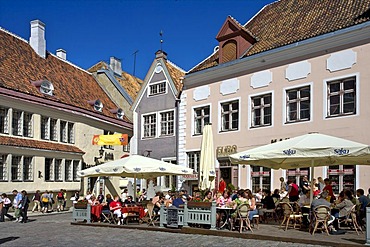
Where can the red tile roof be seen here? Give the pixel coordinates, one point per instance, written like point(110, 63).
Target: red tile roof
point(73, 86)
point(29, 143)
point(176, 74)
point(288, 21)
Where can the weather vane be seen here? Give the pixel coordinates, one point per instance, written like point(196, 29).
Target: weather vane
point(161, 34)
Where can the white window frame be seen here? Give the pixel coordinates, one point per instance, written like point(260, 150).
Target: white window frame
point(29, 176)
point(157, 83)
point(58, 170)
point(19, 174)
point(4, 172)
point(76, 164)
point(196, 165)
point(19, 127)
point(159, 124)
point(260, 176)
point(63, 126)
point(161, 181)
point(143, 125)
point(285, 107)
point(51, 170)
point(326, 100)
point(71, 132)
point(4, 119)
point(250, 115)
point(219, 103)
point(193, 126)
point(68, 170)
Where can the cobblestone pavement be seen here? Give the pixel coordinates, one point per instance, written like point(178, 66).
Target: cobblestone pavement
point(56, 230)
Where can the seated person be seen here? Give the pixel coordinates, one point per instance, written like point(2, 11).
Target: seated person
point(179, 201)
point(276, 194)
point(116, 206)
point(267, 201)
point(304, 199)
point(364, 200)
point(157, 201)
point(208, 196)
point(129, 202)
point(94, 201)
point(344, 207)
point(321, 200)
point(197, 197)
point(168, 200)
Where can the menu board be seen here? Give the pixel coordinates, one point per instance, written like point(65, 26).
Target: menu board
point(172, 217)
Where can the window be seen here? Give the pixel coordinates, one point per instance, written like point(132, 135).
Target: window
point(27, 124)
point(201, 118)
point(27, 169)
point(71, 133)
point(261, 110)
point(298, 174)
point(261, 178)
point(68, 170)
point(157, 88)
point(16, 168)
point(58, 170)
point(170, 181)
point(341, 97)
point(3, 167)
point(49, 175)
point(230, 116)
point(98, 105)
point(17, 123)
point(167, 123)
point(298, 104)
point(342, 177)
point(4, 120)
point(150, 125)
point(76, 168)
point(194, 160)
point(63, 131)
point(53, 129)
point(45, 128)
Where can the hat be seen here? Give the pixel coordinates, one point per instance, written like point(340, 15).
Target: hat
point(167, 197)
point(184, 197)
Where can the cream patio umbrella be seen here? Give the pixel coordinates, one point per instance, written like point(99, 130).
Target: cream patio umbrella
point(308, 150)
point(207, 171)
point(135, 166)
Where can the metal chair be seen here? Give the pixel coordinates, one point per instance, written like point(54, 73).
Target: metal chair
point(153, 218)
point(321, 214)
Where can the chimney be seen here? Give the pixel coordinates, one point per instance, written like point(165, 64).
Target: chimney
point(115, 65)
point(62, 54)
point(37, 39)
point(161, 54)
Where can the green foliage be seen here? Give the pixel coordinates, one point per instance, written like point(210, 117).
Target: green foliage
point(230, 187)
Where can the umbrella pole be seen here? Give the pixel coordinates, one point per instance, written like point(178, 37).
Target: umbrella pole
point(312, 177)
point(135, 188)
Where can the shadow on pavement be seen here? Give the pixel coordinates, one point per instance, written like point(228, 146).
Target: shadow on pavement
point(4, 240)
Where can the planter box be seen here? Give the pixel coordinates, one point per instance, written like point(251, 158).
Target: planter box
point(206, 205)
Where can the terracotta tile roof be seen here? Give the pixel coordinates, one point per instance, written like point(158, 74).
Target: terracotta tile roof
point(288, 21)
point(129, 82)
point(176, 74)
point(20, 66)
point(30, 143)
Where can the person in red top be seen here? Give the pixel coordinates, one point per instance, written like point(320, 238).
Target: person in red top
point(293, 190)
point(329, 189)
point(116, 206)
point(222, 186)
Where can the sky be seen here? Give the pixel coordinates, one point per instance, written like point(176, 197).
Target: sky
point(93, 31)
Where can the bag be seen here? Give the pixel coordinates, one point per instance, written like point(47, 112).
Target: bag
point(52, 201)
point(60, 195)
point(45, 199)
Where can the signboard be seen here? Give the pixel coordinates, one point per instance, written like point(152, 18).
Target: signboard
point(172, 217)
point(115, 139)
point(225, 151)
point(190, 177)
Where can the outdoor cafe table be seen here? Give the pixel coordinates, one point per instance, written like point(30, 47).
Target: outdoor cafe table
point(139, 209)
point(227, 215)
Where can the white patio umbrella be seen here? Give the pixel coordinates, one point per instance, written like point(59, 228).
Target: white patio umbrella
point(135, 166)
point(308, 150)
point(207, 171)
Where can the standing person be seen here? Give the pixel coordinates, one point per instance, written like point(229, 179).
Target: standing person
point(321, 183)
point(222, 186)
point(305, 186)
point(329, 189)
point(16, 203)
point(25, 202)
point(51, 200)
point(60, 200)
point(293, 190)
point(36, 201)
point(45, 202)
point(283, 185)
point(75, 197)
point(6, 205)
point(101, 196)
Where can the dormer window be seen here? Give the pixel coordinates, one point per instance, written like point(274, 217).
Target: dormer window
point(44, 87)
point(119, 112)
point(97, 104)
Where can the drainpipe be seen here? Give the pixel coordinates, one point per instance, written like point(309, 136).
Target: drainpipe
point(177, 107)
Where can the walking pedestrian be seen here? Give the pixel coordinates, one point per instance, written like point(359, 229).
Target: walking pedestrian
point(45, 202)
point(36, 201)
point(25, 202)
point(6, 205)
point(51, 200)
point(60, 200)
point(16, 203)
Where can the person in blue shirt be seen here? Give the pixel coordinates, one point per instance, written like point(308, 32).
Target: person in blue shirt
point(180, 200)
point(364, 200)
point(16, 204)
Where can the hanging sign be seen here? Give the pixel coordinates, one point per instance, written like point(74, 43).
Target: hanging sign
point(112, 140)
